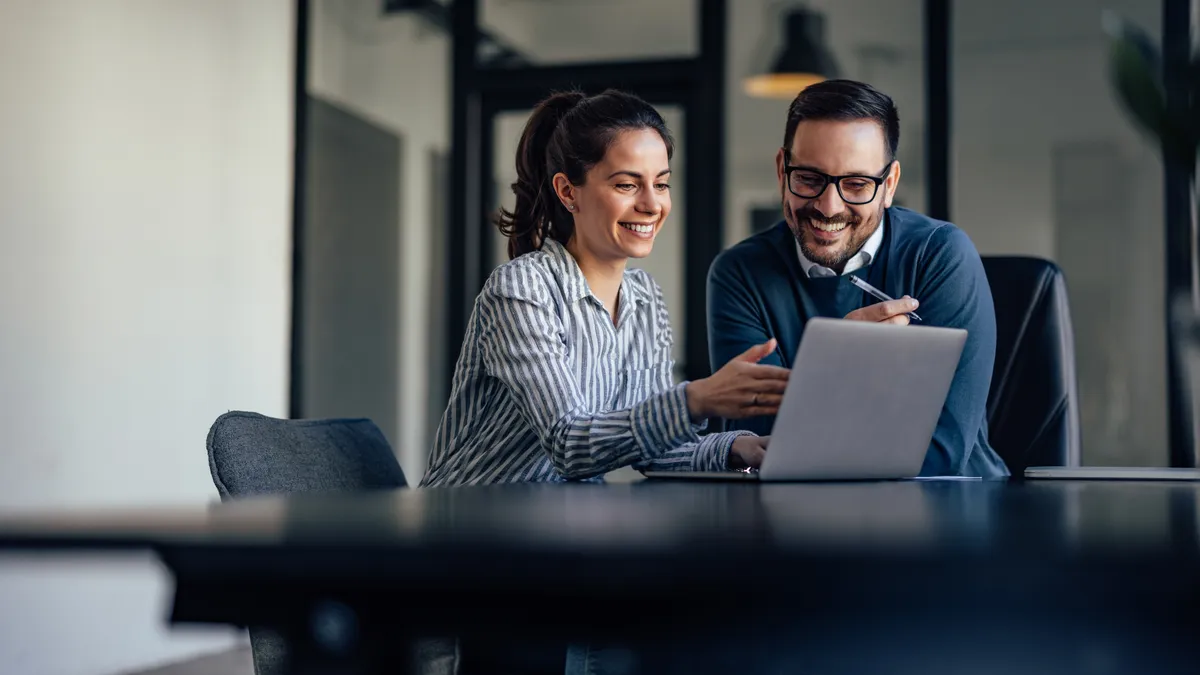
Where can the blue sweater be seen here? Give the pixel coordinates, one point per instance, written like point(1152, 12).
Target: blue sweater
point(757, 290)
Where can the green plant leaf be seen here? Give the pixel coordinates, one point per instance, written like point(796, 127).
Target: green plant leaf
point(1136, 73)
point(1136, 68)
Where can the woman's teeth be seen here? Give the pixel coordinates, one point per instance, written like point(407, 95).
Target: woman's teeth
point(638, 227)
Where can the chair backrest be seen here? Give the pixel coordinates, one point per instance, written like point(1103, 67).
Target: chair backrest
point(1033, 404)
point(251, 454)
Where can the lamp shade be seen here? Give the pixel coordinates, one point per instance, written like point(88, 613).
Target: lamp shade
point(804, 60)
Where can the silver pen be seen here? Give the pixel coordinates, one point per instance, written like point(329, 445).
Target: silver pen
point(877, 294)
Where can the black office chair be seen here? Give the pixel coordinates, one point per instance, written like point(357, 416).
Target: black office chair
point(1033, 403)
point(251, 454)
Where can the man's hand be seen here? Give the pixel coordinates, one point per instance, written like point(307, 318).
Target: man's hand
point(748, 452)
point(892, 311)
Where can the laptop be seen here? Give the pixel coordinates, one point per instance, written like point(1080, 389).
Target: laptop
point(862, 403)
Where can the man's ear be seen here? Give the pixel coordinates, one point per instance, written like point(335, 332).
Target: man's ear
point(890, 183)
point(780, 165)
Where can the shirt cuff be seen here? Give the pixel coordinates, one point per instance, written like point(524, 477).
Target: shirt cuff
point(662, 422)
point(696, 426)
point(713, 453)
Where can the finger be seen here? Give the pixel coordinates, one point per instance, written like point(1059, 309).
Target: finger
point(899, 320)
point(754, 458)
point(761, 399)
point(744, 412)
point(771, 400)
point(882, 311)
point(759, 410)
point(761, 389)
point(886, 310)
point(902, 305)
point(757, 352)
point(764, 387)
point(760, 371)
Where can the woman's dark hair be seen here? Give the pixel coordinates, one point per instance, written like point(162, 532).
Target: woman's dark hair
point(568, 132)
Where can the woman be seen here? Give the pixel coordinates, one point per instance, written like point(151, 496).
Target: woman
point(565, 370)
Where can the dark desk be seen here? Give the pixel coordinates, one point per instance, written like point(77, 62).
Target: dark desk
point(1054, 577)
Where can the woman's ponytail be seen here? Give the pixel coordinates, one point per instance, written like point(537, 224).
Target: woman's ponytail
point(537, 207)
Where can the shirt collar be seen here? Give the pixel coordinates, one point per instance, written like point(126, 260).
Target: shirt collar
point(865, 255)
point(574, 284)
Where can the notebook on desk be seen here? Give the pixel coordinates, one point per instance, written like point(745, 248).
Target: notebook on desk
point(1110, 473)
point(862, 403)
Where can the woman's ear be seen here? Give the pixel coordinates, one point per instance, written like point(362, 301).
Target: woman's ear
point(565, 191)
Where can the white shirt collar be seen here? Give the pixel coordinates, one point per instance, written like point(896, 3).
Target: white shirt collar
point(865, 255)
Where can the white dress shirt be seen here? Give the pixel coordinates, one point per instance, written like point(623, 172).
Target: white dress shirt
point(857, 261)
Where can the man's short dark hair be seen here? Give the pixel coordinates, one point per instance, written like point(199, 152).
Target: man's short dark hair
point(844, 101)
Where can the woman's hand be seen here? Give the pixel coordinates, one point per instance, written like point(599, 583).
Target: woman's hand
point(748, 452)
point(742, 388)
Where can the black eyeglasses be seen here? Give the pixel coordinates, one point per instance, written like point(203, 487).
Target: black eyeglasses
point(809, 184)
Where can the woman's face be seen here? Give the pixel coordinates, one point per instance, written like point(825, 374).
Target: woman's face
point(624, 200)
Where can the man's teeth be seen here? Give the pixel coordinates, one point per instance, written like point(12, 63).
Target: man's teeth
point(829, 227)
point(638, 227)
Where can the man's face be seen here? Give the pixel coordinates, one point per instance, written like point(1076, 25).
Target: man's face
point(831, 226)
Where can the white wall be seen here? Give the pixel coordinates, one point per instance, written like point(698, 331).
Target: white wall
point(145, 168)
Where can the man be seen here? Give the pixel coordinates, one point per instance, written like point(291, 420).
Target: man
point(837, 173)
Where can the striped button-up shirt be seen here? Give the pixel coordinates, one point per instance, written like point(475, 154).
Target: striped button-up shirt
point(547, 388)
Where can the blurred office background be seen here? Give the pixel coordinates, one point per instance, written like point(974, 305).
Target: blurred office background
point(181, 234)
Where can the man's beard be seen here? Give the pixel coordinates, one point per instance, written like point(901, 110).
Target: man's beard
point(860, 231)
